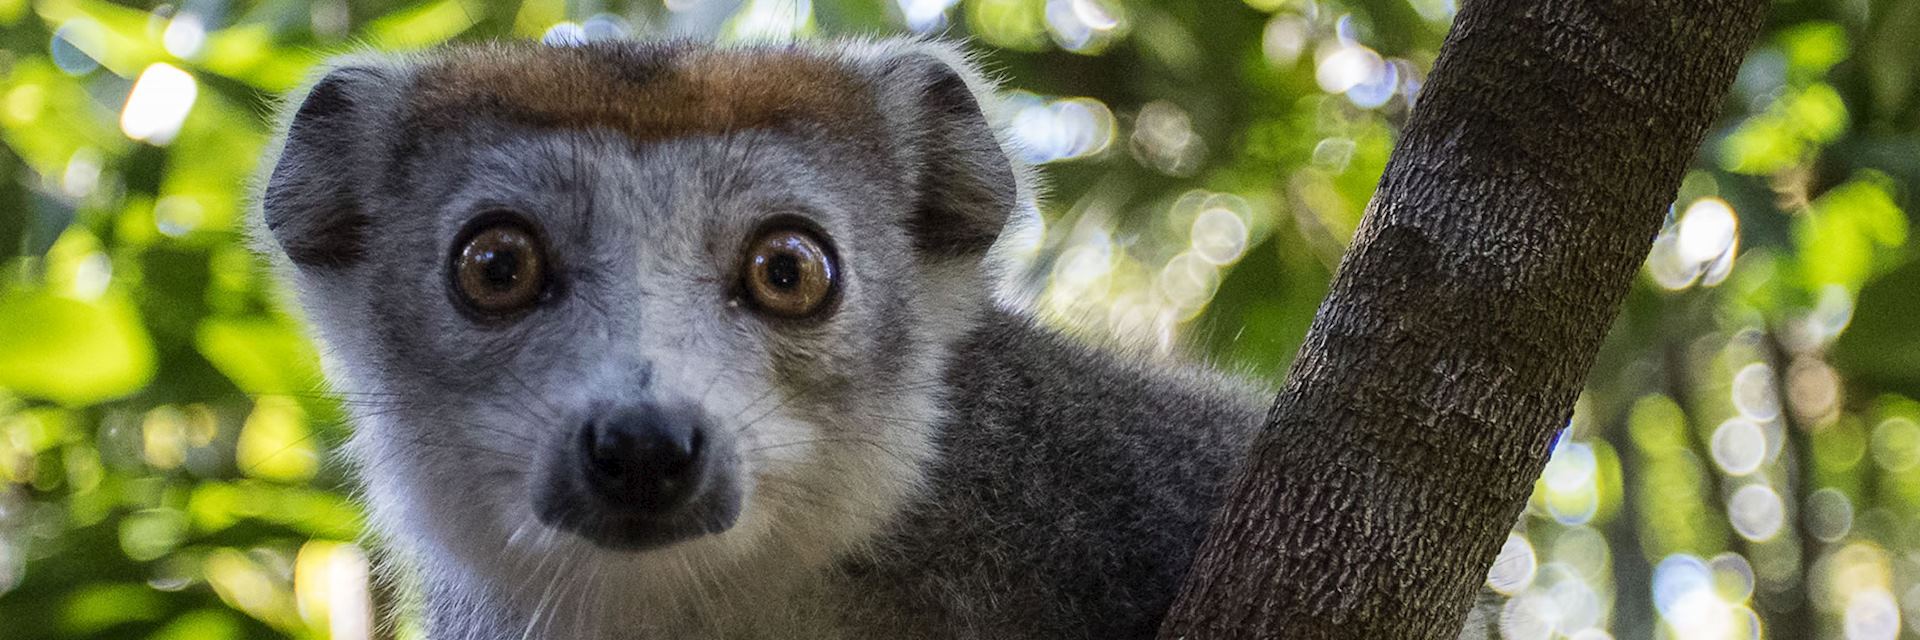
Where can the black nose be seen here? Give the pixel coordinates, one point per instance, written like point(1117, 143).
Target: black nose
point(645, 458)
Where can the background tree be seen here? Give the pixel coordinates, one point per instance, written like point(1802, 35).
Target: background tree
point(1524, 194)
point(1745, 454)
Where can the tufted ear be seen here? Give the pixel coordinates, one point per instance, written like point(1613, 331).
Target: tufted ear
point(966, 185)
point(312, 207)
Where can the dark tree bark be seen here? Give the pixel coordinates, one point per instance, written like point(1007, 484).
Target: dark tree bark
point(1524, 194)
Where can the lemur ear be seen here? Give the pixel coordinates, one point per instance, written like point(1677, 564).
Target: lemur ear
point(966, 185)
point(312, 204)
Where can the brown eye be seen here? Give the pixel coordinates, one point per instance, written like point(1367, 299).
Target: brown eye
point(790, 273)
point(500, 269)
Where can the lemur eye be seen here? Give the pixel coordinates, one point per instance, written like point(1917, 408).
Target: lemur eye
point(500, 267)
point(790, 273)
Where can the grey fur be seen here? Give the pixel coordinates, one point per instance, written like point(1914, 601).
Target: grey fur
point(920, 464)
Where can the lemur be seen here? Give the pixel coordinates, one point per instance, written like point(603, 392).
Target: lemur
point(666, 340)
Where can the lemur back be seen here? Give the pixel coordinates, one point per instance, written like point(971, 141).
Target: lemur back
point(671, 341)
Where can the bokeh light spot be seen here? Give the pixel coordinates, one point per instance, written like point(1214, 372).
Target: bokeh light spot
point(13, 565)
point(564, 34)
point(1531, 616)
point(1284, 40)
point(1872, 615)
point(1188, 282)
point(1571, 467)
point(78, 46)
point(772, 20)
point(1584, 550)
point(1052, 130)
point(1163, 139)
point(1733, 577)
point(1756, 512)
point(186, 33)
point(1813, 389)
point(606, 26)
point(1739, 446)
point(82, 176)
point(1571, 496)
point(1755, 394)
point(1219, 235)
point(1831, 314)
point(1707, 230)
point(1334, 153)
point(331, 589)
point(1896, 444)
point(1678, 577)
point(1829, 514)
point(1697, 247)
point(176, 216)
point(1513, 569)
point(159, 103)
point(923, 16)
point(1343, 67)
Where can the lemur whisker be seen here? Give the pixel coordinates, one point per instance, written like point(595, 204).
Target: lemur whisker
point(329, 394)
point(311, 434)
point(587, 608)
point(553, 413)
point(511, 437)
point(532, 578)
point(712, 380)
point(800, 493)
point(561, 595)
point(541, 608)
point(513, 539)
point(787, 398)
point(757, 399)
point(808, 389)
point(895, 450)
point(422, 444)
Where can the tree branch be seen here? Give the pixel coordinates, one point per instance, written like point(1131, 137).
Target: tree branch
point(1522, 198)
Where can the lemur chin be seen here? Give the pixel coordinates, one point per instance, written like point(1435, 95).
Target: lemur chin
point(658, 340)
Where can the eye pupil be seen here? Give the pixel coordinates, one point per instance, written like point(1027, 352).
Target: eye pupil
point(783, 271)
point(501, 268)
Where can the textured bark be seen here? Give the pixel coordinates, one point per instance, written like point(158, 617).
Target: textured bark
point(1524, 194)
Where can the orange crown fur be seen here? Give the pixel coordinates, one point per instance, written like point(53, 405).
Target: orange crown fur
point(646, 92)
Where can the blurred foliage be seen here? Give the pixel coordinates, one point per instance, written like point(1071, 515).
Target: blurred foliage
point(1746, 459)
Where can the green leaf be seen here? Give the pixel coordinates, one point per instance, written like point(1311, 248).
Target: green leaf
point(1814, 47)
point(1846, 236)
point(246, 53)
point(151, 533)
point(260, 355)
point(218, 505)
point(426, 25)
point(275, 442)
point(1791, 129)
point(97, 607)
point(204, 624)
point(1878, 350)
point(1009, 24)
point(130, 42)
point(71, 351)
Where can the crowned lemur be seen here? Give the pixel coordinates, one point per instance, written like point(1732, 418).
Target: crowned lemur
point(659, 340)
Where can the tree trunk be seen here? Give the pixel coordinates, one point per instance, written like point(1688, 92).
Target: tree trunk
point(1523, 196)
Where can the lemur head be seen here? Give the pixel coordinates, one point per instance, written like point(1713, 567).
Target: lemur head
point(639, 303)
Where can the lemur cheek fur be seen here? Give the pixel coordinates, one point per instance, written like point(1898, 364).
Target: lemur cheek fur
point(731, 368)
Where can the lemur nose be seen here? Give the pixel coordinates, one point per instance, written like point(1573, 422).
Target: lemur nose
point(644, 458)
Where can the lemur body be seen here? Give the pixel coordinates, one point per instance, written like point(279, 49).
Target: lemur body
point(664, 341)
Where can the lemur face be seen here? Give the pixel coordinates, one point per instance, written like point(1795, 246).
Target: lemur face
point(653, 305)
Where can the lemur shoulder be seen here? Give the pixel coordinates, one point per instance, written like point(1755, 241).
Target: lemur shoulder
point(660, 340)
